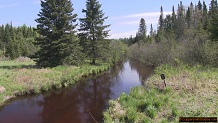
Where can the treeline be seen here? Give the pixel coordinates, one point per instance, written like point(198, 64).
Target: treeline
point(188, 35)
point(16, 41)
point(59, 40)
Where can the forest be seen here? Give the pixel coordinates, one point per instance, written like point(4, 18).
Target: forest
point(188, 35)
point(56, 41)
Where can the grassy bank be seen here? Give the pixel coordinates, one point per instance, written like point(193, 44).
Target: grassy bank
point(190, 92)
point(20, 78)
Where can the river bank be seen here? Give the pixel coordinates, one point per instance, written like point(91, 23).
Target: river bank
point(19, 78)
point(190, 92)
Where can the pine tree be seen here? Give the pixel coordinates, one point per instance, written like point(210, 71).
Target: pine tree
point(152, 34)
point(199, 5)
point(180, 20)
point(173, 19)
point(2, 41)
point(213, 28)
point(160, 33)
point(93, 31)
point(142, 31)
point(161, 20)
point(213, 6)
point(57, 39)
point(188, 18)
point(205, 16)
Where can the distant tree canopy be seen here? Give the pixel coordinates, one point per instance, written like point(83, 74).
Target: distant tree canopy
point(189, 34)
point(17, 41)
point(197, 19)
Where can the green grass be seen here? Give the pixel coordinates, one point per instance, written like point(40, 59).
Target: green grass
point(190, 92)
point(19, 78)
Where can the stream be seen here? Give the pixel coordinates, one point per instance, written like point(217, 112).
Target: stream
point(83, 102)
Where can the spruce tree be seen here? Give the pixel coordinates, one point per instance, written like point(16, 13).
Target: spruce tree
point(57, 40)
point(93, 31)
point(173, 19)
point(205, 16)
point(188, 18)
point(199, 5)
point(213, 28)
point(142, 31)
point(160, 33)
point(161, 20)
point(180, 20)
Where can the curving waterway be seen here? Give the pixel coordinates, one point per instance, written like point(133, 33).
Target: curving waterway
point(83, 102)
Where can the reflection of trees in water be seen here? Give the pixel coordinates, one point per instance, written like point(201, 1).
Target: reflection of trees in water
point(143, 70)
point(75, 104)
point(116, 69)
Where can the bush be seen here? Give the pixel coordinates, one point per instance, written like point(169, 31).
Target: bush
point(153, 53)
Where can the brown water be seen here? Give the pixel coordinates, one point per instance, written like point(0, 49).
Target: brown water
point(84, 102)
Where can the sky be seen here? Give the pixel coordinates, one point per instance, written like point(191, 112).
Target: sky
point(123, 15)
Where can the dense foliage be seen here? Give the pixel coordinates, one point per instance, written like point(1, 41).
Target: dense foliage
point(17, 41)
point(188, 35)
point(93, 33)
point(58, 42)
point(55, 41)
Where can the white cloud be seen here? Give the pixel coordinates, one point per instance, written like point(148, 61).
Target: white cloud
point(147, 14)
point(141, 15)
point(136, 22)
point(116, 35)
point(8, 6)
point(132, 21)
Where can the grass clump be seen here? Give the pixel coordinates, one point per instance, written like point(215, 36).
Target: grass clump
point(140, 105)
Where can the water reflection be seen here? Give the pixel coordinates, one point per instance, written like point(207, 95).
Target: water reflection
point(143, 71)
point(82, 103)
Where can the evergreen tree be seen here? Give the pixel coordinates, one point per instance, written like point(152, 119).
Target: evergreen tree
point(161, 20)
point(57, 38)
point(93, 31)
point(212, 8)
point(161, 25)
point(180, 20)
point(199, 5)
point(2, 44)
point(168, 23)
point(173, 18)
point(152, 34)
point(188, 18)
point(213, 29)
point(142, 31)
point(205, 16)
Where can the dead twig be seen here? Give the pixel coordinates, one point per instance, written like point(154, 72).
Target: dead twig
point(93, 117)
